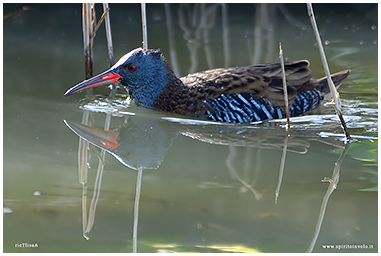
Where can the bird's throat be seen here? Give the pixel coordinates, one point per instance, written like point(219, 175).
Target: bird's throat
point(153, 92)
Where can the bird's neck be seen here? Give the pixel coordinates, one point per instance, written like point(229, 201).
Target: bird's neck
point(153, 92)
point(168, 99)
point(146, 95)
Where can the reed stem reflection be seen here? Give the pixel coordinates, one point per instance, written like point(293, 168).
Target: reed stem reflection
point(333, 181)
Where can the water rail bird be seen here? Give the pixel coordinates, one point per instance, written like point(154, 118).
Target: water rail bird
point(232, 95)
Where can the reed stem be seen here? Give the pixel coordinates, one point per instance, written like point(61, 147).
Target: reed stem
point(83, 148)
point(109, 45)
point(281, 170)
point(87, 29)
point(136, 210)
point(88, 223)
point(144, 26)
point(284, 87)
point(332, 88)
point(333, 181)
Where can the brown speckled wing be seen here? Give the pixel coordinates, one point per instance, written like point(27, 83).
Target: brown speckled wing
point(259, 81)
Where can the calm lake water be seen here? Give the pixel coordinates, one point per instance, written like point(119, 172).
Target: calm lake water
point(213, 189)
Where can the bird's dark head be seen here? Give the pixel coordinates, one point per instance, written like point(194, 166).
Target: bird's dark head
point(144, 73)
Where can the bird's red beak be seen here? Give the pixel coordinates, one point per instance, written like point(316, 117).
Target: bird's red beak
point(108, 77)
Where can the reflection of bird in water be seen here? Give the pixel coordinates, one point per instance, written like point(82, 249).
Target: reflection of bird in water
point(263, 137)
point(144, 141)
point(233, 95)
point(139, 143)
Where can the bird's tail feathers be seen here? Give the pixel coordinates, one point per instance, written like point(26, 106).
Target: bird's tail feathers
point(337, 79)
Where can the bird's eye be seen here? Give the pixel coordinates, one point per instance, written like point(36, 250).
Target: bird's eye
point(131, 67)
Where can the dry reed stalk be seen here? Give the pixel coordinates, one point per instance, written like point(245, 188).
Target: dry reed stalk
point(144, 26)
point(284, 86)
point(102, 154)
point(83, 148)
point(334, 93)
